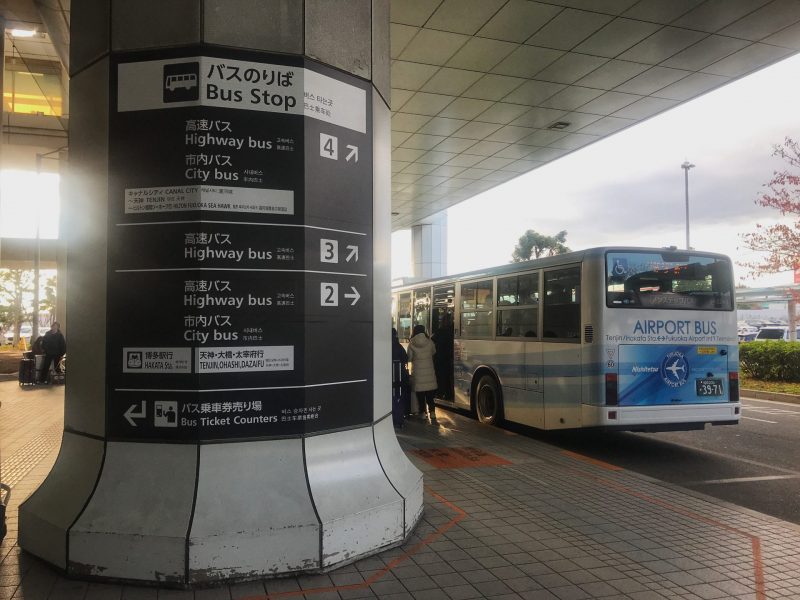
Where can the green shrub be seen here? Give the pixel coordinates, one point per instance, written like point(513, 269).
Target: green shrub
point(771, 360)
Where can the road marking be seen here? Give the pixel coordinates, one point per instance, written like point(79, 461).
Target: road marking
point(761, 420)
point(772, 411)
point(728, 456)
point(755, 541)
point(741, 479)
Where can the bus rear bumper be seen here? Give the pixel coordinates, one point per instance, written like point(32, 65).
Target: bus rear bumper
point(661, 418)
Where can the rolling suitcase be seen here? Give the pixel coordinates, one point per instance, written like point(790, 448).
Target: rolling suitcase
point(27, 371)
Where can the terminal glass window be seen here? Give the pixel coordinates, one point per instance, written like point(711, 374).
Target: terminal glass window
point(37, 91)
point(562, 305)
point(477, 304)
point(671, 280)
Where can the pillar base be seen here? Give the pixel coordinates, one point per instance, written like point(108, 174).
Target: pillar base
point(190, 515)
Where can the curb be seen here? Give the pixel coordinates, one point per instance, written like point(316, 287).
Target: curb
point(773, 396)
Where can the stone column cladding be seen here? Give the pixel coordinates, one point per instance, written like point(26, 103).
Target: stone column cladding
point(429, 247)
point(229, 178)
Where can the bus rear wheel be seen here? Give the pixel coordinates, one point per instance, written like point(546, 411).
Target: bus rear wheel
point(487, 401)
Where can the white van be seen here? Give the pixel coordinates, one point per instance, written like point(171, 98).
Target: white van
point(775, 332)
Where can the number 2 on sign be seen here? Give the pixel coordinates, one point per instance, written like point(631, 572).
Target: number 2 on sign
point(329, 294)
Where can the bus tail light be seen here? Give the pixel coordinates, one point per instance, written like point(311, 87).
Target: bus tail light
point(611, 389)
point(733, 385)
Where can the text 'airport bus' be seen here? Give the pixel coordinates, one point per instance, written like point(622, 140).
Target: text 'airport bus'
point(634, 339)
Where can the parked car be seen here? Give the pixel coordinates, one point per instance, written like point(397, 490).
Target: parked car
point(746, 333)
point(775, 332)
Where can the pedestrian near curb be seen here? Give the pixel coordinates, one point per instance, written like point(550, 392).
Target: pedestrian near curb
point(423, 375)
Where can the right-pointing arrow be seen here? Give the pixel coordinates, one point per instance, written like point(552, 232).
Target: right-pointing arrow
point(355, 296)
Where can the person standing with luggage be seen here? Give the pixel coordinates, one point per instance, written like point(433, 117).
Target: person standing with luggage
point(423, 377)
point(55, 346)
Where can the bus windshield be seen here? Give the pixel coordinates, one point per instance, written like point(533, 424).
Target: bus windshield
point(671, 280)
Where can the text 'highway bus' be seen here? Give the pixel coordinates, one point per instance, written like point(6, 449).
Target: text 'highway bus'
point(634, 339)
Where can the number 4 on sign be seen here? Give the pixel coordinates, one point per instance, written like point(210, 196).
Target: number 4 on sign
point(329, 146)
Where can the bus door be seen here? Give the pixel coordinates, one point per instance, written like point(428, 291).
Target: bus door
point(404, 317)
point(518, 349)
point(534, 388)
point(442, 336)
point(561, 348)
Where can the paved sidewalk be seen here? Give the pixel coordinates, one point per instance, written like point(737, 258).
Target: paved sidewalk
point(506, 517)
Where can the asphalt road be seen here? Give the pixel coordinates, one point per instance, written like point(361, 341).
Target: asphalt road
point(755, 464)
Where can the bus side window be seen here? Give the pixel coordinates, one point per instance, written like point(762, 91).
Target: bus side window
point(562, 310)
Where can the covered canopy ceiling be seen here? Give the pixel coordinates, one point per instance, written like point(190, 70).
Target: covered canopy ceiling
point(486, 90)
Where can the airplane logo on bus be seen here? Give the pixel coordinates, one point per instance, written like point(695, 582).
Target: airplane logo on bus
point(675, 369)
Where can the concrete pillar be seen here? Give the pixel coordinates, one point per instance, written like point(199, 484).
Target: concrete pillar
point(61, 250)
point(2, 104)
point(228, 412)
point(429, 246)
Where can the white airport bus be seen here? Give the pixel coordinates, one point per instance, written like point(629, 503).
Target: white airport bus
point(638, 339)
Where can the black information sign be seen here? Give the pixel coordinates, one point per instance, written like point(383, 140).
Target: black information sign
point(240, 247)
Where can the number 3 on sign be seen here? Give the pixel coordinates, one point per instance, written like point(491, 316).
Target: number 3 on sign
point(329, 294)
point(328, 146)
point(329, 251)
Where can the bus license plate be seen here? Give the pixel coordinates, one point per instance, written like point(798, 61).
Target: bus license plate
point(709, 387)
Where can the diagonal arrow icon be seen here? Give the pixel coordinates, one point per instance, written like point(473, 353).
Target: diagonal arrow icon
point(353, 253)
point(130, 415)
point(355, 296)
point(353, 152)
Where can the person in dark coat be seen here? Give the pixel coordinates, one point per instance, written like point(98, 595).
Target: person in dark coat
point(55, 346)
point(443, 359)
point(401, 390)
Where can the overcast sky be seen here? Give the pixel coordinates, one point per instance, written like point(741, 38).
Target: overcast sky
point(629, 188)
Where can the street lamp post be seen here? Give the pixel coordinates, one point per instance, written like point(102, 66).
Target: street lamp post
point(686, 166)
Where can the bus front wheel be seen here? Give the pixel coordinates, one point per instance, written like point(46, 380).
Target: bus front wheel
point(487, 401)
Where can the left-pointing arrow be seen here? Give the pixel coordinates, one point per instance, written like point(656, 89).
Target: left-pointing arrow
point(355, 296)
point(130, 415)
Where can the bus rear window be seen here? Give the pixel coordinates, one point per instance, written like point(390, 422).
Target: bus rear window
point(671, 280)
